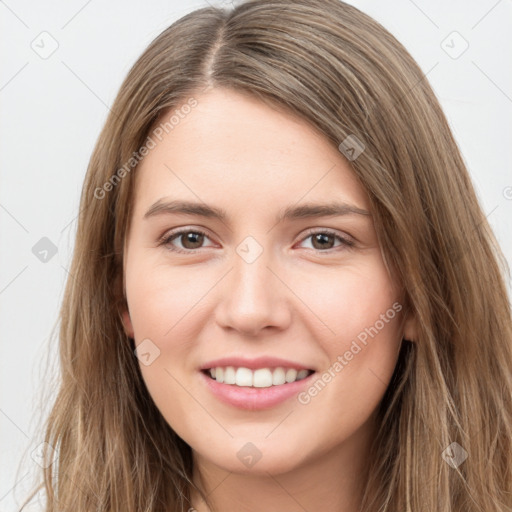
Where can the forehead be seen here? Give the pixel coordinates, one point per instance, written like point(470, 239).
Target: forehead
point(233, 149)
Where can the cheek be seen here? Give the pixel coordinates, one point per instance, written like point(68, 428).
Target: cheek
point(360, 335)
point(352, 300)
point(163, 300)
point(163, 304)
point(162, 311)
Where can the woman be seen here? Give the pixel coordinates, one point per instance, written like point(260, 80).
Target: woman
point(217, 353)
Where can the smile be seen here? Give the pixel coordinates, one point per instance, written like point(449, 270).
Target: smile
point(258, 378)
point(251, 397)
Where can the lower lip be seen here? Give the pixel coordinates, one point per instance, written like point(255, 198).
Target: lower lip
point(254, 399)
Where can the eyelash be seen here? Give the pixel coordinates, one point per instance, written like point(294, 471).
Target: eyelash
point(168, 237)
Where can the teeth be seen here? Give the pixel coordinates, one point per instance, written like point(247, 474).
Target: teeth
point(260, 378)
point(291, 375)
point(244, 377)
point(229, 375)
point(278, 377)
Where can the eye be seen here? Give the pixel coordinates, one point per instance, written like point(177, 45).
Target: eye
point(192, 241)
point(321, 239)
point(195, 238)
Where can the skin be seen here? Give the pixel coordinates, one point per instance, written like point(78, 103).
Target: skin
point(298, 300)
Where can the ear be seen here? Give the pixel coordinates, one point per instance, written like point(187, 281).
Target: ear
point(124, 313)
point(122, 305)
point(127, 323)
point(410, 327)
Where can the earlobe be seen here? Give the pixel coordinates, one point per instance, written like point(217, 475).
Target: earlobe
point(127, 323)
point(411, 328)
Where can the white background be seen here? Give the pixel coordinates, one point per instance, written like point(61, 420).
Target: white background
point(53, 110)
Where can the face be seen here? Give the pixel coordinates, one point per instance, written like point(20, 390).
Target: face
point(256, 276)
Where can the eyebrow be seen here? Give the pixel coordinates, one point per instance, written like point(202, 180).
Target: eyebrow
point(308, 210)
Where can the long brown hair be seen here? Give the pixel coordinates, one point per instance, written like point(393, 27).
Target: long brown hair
point(340, 70)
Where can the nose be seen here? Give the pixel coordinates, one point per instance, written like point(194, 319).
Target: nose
point(254, 297)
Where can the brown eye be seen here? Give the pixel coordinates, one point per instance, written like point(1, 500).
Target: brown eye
point(190, 239)
point(323, 241)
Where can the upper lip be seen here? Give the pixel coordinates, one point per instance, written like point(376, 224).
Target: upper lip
point(254, 364)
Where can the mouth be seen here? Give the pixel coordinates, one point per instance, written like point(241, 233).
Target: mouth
point(256, 378)
point(258, 389)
